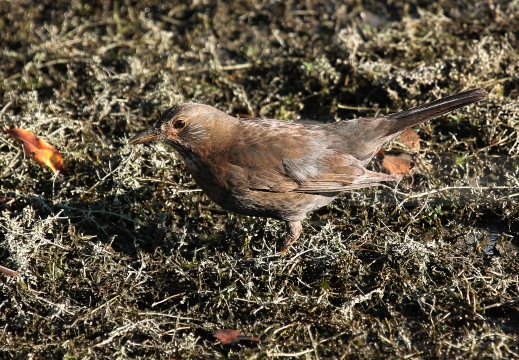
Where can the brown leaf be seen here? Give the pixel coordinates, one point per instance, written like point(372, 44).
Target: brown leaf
point(411, 139)
point(230, 336)
point(8, 271)
point(395, 165)
point(38, 149)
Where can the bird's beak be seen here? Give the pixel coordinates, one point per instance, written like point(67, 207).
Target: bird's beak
point(144, 137)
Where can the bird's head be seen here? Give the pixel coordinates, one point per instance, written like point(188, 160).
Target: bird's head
point(187, 126)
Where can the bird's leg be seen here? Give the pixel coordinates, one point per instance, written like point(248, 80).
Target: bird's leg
point(294, 229)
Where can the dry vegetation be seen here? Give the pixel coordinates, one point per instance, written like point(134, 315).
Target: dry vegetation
point(126, 258)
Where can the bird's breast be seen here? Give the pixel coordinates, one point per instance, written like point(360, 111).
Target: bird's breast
point(191, 164)
point(206, 174)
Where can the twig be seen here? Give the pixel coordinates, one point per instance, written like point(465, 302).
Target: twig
point(5, 108)
point(222, 68)
point(447, 188)
point(296, 354)
point(236, 67)
point(357, 108)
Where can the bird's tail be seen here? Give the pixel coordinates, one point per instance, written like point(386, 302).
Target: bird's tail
point(433, 109)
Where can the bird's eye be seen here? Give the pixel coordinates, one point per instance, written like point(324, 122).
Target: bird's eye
point(179, 124)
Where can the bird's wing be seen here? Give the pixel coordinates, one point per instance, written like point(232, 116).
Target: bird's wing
point(256, 162)
point(334, 172)
point(258, 179)
point(331, 173)
point(294, 158)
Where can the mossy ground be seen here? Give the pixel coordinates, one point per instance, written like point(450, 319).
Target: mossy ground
point(126, 258)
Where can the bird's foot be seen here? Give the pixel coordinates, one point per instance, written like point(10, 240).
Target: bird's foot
point(294, 231)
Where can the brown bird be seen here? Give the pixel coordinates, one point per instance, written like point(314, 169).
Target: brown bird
point(279, 169)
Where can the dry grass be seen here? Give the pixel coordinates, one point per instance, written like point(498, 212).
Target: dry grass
point(126, 258)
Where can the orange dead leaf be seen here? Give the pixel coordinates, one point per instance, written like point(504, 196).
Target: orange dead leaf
point(8, 271)
point(230, 336)
point(411, 139)
point(395, 165)
point(38, 149)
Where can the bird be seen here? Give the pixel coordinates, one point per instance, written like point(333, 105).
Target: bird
point(280, 169)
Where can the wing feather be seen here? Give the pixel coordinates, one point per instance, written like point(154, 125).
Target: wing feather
point(296, 162)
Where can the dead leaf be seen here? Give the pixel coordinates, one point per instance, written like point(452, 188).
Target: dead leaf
point(395, 165)
point(230, 336)
point(411, 139)
point(38, 149)
point(8, 271)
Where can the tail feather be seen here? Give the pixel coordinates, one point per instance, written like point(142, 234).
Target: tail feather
point(419, 114)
